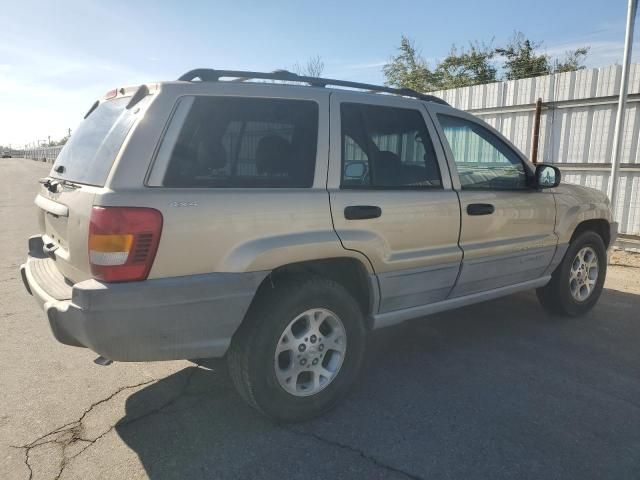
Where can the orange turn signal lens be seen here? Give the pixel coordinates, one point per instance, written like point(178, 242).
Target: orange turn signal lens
point(110, 243)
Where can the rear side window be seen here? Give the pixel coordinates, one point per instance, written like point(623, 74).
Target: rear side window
point(89, 154)
point(385, 147)
point(245, 142)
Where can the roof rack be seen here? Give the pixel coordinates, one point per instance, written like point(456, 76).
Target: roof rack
point(211, 75)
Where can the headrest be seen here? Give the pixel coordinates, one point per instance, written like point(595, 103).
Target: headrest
point(211, 154)
point(273, 155)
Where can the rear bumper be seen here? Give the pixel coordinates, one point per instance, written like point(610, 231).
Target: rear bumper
point(193, 316)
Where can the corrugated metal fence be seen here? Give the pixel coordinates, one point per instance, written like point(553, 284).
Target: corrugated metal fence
point(576, 126)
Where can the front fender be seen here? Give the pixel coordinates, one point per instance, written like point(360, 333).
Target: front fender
point(576, 204)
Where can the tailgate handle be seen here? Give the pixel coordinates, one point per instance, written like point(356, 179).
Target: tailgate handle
point(52, 207)
point(480, 209)
point(362, 212)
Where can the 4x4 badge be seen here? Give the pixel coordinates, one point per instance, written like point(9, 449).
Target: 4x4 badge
point(183, 204)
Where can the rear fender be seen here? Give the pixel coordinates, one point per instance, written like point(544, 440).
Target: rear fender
point(272, 252)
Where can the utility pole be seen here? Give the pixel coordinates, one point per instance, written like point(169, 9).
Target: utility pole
point(536, 132)
point(622, 103)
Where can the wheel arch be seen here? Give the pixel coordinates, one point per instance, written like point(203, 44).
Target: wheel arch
point(597, 225)
point(575, 216)
point(351, 273)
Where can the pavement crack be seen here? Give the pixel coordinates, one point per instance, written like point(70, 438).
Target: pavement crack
point(133, 420)
point(357, 451)
point(69, 434)
point(72, 435)
point(26, 462)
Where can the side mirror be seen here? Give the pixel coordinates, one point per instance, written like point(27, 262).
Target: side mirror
point(355, 170)
point(547, 176)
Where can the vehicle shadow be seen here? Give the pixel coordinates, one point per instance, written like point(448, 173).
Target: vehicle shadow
point(496, 390)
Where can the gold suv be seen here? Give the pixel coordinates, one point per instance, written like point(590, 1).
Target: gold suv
point(277, 219)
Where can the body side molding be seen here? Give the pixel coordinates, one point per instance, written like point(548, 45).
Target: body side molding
point(399, 316)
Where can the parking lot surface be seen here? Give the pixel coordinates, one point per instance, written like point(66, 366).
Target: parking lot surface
point(496, 390)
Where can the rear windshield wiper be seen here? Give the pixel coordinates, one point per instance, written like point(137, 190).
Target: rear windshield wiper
point(51, 184)
point(68, 184)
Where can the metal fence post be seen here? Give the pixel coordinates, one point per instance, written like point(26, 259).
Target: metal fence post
point(622, 102)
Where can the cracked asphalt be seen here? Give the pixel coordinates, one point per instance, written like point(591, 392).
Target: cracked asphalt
point(496, 390)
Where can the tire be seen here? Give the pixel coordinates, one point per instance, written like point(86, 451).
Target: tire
point(275, 320)
point(557, 296)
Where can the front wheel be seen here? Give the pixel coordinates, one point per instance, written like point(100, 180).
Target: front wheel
point(577, 282)
point(299, 350)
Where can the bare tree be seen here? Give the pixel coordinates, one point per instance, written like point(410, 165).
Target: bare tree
point(313, 68)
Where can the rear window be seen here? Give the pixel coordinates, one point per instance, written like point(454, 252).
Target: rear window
point(244, 143)
point(89, 154)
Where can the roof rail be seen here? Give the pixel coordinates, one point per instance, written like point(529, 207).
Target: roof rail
point(211, 75)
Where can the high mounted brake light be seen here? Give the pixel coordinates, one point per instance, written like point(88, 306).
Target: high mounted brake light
point(111, 94)
point(123, 242)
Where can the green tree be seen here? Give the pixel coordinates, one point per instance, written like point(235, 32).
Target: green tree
point(573, 60)
point(463, 68)
point(476, 65)
point(522, 59)
point(408, 69)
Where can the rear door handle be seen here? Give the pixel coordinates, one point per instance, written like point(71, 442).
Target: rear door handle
point(362, 212)
point(480, 209)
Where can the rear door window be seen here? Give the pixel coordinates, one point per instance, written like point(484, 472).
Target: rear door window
point(386, 147)
point(89, 154)
point(244, 143)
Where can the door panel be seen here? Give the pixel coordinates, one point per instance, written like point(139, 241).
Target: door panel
point(412, 241)
point(507, 228)
point(512, 245)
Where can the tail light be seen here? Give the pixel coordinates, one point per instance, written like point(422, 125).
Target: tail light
point(123, 242)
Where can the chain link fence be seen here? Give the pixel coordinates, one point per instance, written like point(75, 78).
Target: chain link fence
point(43, 154)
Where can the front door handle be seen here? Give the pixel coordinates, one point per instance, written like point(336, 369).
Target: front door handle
point(362, 212)
point(480, 209)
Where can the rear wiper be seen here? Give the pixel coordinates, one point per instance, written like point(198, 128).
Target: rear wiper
point(52, 184)
point(49, 184)
point(68, 184)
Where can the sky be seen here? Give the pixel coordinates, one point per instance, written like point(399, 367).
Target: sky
point(57, 57)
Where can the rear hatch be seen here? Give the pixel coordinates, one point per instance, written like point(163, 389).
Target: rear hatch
point(79, 173)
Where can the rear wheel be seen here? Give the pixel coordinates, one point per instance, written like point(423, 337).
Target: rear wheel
point(299, 350)
point(577, 283)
